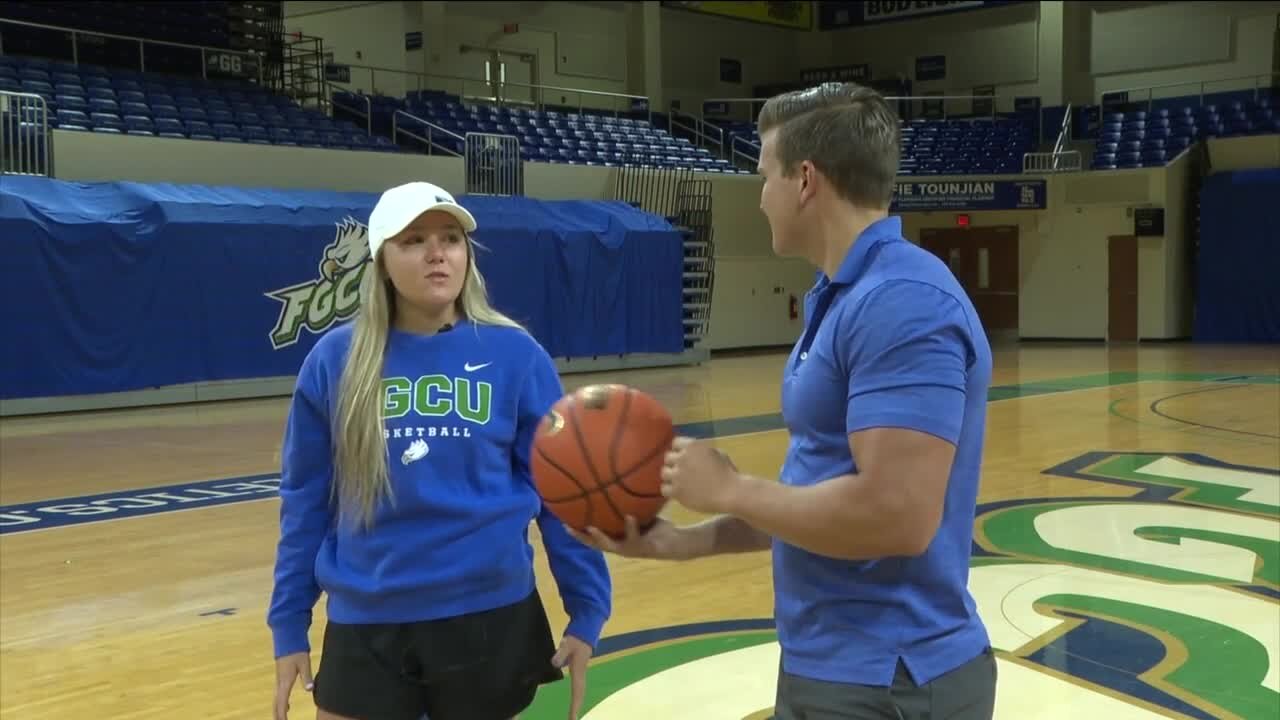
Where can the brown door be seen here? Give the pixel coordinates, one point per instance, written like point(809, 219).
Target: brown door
point(1122, 288)
point(985, 261)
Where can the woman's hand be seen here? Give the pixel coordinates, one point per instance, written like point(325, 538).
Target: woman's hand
point(288, 669)
point(574, 654)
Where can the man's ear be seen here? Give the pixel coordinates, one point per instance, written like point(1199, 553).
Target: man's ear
point(808, 176)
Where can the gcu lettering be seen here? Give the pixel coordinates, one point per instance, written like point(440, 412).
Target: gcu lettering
point(437, 396)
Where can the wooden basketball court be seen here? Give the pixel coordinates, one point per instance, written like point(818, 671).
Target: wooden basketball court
point(1129, 562)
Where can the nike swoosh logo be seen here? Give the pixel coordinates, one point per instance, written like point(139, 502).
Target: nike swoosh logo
point(472, 368)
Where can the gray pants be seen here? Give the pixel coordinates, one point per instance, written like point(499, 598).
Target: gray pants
point(966, 693)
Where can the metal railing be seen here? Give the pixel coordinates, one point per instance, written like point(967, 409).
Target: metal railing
point(652, 189)
point(1064, 132)
point(454, 84)
point(1254, 83)
point(429, 140)
point(489, 89)
point(493, 165)
point(540, 103)
point(752, 159)
point(909, 106)
point(1058, 159)
point(366, 114)
point(25, 142)
point(732, 106)
point(704, 133)
point(1052, 162)
point(231, 62)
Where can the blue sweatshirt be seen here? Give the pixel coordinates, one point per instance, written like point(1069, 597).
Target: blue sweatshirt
point(460, 414)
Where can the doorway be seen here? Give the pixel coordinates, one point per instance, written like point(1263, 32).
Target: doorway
point(510, 74)
point(985, 261)
point(1122, 288)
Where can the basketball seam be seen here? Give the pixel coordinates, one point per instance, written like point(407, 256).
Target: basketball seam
point(617, 434)
point(586, 456)
point(585, 492)
point(582, 446)
point(621, 478)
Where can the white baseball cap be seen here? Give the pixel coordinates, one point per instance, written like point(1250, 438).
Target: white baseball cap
point(400, 205)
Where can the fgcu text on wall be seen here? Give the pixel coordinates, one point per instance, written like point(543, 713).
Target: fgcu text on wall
point(330, 297)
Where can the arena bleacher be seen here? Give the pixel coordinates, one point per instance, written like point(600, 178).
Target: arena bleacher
point(95, 98)
point(1142, 138)
point(587, 137)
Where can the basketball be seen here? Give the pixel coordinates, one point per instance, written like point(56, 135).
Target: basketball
point(597, 457)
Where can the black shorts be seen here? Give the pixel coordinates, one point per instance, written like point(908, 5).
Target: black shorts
point(481, 666)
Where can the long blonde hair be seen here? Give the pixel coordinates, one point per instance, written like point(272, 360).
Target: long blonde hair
point(361, 473)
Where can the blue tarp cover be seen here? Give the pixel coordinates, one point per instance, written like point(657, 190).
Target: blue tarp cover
point(120, 286)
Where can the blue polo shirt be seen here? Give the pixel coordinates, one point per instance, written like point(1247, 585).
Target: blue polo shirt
point(891, 341)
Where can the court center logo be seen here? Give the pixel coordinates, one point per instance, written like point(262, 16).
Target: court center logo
point(1161, 602)
point(331, 297)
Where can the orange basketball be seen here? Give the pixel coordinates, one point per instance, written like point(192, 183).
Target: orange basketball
point(597, 457)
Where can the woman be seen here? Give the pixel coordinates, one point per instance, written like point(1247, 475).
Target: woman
point(406, 495)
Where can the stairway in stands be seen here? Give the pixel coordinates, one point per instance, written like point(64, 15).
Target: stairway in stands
point(693, 219)
point(684, 199)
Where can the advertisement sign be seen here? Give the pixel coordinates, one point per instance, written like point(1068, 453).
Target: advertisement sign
point(925, 195)
point(835, 15)
point(795, 15)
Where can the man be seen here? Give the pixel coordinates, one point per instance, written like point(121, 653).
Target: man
point(884, 397)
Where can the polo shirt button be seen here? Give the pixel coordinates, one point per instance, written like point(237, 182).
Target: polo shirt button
point(804, 356)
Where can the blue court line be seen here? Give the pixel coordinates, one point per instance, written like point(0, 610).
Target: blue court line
point(140, 502)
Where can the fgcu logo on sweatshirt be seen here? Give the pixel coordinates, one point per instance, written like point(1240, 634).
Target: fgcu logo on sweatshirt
point(333, 296)
point(434, 396)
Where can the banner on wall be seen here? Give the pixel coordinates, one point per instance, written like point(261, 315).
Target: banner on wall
point(795, 15)
point(925, 195)
point(931, 67)
point(835, 15)
point(859, 73)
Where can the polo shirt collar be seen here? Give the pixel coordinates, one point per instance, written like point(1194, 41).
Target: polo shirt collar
point(887, 228)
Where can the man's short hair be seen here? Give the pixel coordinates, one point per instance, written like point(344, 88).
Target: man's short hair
point(848, 131)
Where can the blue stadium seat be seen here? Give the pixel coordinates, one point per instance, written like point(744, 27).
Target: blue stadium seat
point(135, 108)
point(105, 99)
point(72, 102)
point(139, 125)
point(72, 119)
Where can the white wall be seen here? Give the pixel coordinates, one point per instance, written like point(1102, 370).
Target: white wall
point(1063, 51)
point(985, 47)
point(95, 157)
point(1134, 45)
point(577, 44)
point(358, 33)
point(694, 43)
